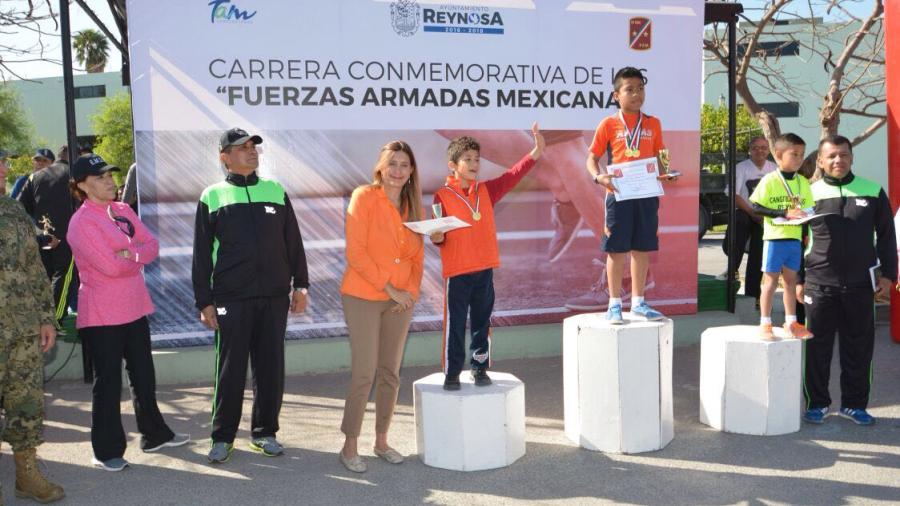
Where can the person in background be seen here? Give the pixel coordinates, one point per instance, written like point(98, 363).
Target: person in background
point(49, 202)
point(28, 328)
point(42, 159)
point(748, 226)
point(130, 190)
point(111, 247)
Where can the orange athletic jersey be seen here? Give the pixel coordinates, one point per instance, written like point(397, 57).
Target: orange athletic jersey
point(379, 248)
point(469, 249)
point(611, 132)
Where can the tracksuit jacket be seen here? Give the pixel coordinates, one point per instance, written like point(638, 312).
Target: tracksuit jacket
point(246, 242)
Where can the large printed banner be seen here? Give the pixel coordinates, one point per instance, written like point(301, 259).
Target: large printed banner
point(326, 84)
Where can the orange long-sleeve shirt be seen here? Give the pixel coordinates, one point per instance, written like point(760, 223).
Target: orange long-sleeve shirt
point(379, 249)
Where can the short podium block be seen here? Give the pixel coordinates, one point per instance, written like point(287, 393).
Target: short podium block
point(747, 385)
point(617, 382)
point(473, 428)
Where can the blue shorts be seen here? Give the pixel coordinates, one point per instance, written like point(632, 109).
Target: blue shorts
point(631, 225)
point(781, 253)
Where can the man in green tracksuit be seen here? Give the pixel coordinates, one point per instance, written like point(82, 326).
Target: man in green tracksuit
point(841, 280)
point(249, 267)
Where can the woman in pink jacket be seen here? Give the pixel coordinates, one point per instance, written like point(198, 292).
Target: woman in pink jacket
point(111, 247)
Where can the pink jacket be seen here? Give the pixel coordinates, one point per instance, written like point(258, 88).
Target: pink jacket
point(112, 290)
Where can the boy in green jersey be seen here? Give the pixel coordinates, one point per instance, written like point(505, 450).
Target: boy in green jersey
point(782, 194)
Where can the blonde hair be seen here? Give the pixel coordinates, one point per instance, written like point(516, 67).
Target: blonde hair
point(411, 194)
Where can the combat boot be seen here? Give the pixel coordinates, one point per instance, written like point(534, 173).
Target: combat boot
point(30, 483)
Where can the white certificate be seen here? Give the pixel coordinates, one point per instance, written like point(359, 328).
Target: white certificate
point(799, 221)
point(636, 180)
point(428, 227)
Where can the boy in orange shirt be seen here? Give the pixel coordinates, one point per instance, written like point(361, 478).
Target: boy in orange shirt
point(630, 225)
point(469, 255)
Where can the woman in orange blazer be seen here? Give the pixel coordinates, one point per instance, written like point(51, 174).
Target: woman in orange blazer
point(380, 287)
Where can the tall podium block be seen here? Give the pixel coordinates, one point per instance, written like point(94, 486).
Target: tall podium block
point(617, 382)
point(473, 428)
point(747, 385)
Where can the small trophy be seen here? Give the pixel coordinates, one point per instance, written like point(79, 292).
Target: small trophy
point(47, 230)
point(664, 160)
point(437, 211)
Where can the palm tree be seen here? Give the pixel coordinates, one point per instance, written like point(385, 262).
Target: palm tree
point(91, 50)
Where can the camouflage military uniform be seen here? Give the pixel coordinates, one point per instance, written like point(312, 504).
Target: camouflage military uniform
point(27, 303)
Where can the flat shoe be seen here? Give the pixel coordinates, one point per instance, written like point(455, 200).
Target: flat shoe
point(354, 464)
point(391, 455)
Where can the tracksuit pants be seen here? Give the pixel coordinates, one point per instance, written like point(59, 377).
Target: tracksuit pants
point(849, 312)
point(467, 295)
point(108, 346)
point(63, 277)
point(250, 328)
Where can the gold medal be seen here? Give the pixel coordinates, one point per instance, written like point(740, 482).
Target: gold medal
point(632, 153)
point(476, 216)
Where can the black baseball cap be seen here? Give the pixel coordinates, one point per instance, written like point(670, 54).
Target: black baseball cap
point(44, 153)
point(91, 165)
point(236, 137)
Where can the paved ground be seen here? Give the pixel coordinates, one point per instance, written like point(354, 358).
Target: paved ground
point(837, 463)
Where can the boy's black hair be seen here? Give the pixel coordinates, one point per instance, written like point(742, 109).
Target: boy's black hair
point(460, 145)
point(785, 141)
point(837, 140)
point(627, 73)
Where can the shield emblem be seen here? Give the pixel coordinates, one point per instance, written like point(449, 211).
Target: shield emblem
point(639, 34)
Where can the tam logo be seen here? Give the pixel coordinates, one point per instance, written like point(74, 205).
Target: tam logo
point(223, 10)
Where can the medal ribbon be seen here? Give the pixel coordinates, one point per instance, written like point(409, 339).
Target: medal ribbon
point(787, 187)
point(632, 137)
point(464, 199)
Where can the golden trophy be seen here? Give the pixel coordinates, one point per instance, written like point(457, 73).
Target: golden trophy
point(664, 160)
point(47, 229)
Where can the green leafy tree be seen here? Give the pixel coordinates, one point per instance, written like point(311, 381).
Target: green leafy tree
point(714, 133)
point(112, 124)
point(91, 50)
point(16, 132)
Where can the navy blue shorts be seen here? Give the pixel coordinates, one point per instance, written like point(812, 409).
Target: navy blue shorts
point(631, 225)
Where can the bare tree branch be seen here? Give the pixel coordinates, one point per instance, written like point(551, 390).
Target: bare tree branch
point(871, 129)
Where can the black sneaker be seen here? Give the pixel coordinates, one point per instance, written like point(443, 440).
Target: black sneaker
point(451, 382)
point(480, 377)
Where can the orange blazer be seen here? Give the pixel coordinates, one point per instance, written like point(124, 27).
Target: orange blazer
point(379, 249)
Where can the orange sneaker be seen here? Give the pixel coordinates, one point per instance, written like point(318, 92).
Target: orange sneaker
point(797, 331)
point(765, 332)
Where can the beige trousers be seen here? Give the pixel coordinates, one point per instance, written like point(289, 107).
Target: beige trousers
point(377, 339)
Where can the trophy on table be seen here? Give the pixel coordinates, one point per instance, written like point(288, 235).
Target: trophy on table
point(437, 211)
point(47, 230)
point(664, 160)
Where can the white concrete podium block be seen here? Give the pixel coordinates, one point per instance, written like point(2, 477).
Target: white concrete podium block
point(747, 385)
point(473, 428)
point(617, 383)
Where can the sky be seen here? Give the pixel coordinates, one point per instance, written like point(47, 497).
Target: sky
point(80, 21)
point(51, 40)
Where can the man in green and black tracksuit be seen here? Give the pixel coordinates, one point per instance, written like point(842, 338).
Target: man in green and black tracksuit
point(841, 280)
point(249, 268)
